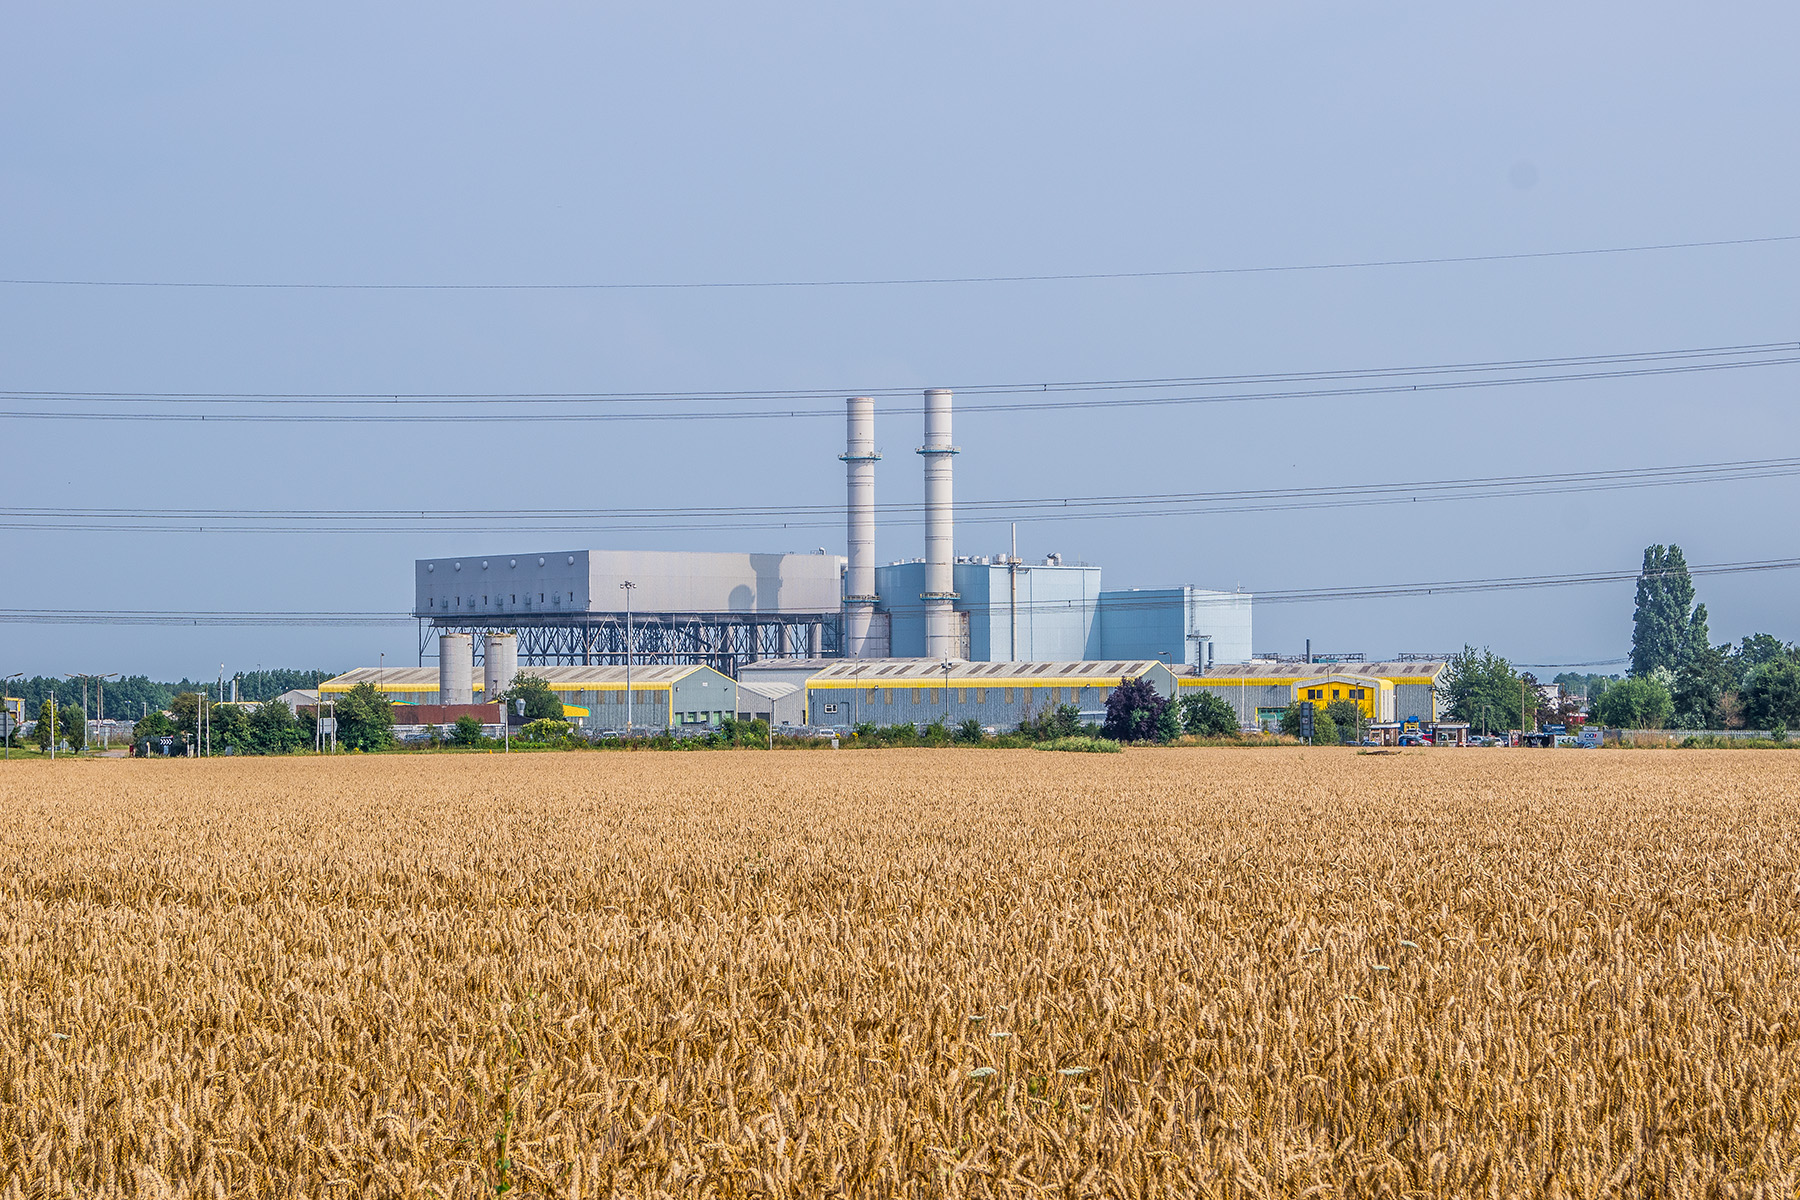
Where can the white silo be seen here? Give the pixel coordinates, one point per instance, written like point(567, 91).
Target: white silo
point(939, 596)
point(456, 669)
point(499, 664)
point(859, 459)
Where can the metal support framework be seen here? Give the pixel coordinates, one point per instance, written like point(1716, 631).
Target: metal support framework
point(722, 641)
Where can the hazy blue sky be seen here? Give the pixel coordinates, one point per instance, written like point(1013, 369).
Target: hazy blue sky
point(561, 143)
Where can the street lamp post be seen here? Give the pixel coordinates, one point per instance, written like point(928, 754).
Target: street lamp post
point(1174, 683)
point(627, 587)
point(6, 721)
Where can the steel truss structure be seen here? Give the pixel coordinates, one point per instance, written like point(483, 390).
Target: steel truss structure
point(722, 641)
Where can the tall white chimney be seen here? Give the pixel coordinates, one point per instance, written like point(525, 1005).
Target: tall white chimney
point(939, 596)
point(859, 475)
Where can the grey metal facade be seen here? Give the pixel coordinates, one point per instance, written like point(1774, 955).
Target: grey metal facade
point(567, 607)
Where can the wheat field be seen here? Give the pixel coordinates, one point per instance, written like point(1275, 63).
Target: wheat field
point(912, 973)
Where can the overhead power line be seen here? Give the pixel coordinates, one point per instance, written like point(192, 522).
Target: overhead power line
point(1671, 363)
point(1705, 355)
point(1452, 587)
point(565, 521)
point(904, 281)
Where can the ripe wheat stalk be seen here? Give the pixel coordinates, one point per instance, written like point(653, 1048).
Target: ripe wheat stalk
point(909, 973)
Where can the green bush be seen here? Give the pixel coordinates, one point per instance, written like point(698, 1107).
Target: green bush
point(1206, 715)
point(1082, 745)
point(1638, 703)
point(545, 731)
point(1325, 731)
point(1062, 721)
point(541, 704)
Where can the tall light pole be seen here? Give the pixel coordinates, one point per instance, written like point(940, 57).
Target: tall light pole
point(627, 587)
point(1174, 683)
point(99, 701)
point(6, 721)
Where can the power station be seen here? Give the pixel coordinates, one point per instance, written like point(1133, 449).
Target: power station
point(606, 609)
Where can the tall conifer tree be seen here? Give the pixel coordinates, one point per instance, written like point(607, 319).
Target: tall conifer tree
point(1666, 627)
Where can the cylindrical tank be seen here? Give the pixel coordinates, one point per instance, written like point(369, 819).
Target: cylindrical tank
point(456, 669)
point(859, 459)
point(939, 596)
point(499, 664)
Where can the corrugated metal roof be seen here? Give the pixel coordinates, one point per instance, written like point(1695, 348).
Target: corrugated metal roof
point(770, 690)
point(1278, 670)
point(793, 664)
point(873, 672)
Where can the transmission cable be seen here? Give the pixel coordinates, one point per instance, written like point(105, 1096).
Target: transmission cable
point(907, 514)
point(921, 281)
point(1791, 357)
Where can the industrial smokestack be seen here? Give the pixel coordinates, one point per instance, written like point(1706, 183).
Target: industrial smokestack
point(939, 595)
point(499, 664)
point(456, 669)
point(859, 459)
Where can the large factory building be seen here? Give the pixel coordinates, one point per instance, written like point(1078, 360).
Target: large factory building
point(597, 611)
point(575, 607)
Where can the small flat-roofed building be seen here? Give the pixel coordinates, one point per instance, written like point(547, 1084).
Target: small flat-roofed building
point(777, 703)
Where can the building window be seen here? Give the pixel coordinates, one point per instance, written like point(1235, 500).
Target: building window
point(874, 693)
point(981, 695)
point(1009, 695)
point(962, 695)
point(916, 695)
point(888, 697)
